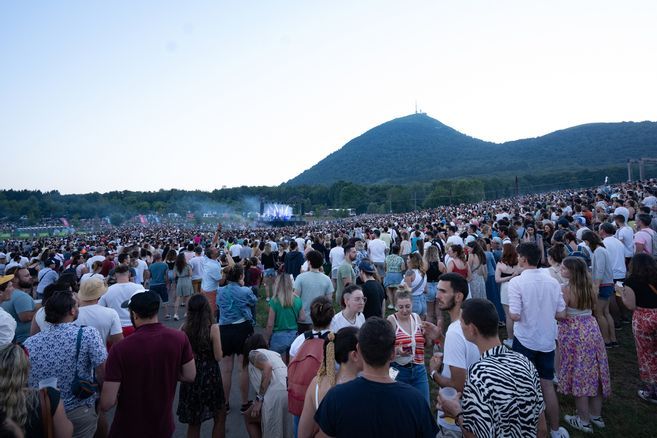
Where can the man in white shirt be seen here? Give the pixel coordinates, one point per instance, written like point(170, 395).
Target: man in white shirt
point(535, 301)
point(141, 268)
point(118, 293)
point(235, 251)
point(336, 257)
point(625, 235)
point(92, 314)
point(616, 252)
point(453, 238)
point(376, 250)
point(615, 249)
point(451, 369)
point(197, 263)
point(99, 256)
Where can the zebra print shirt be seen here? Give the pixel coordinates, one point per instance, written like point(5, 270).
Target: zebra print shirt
point(502, 396)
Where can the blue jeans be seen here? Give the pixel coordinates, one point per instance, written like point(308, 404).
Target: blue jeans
point(416, 376)
point(419, 304)
point(296, 425)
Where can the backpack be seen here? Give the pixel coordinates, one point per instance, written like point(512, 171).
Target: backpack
point(653, 240)
point(302, 369)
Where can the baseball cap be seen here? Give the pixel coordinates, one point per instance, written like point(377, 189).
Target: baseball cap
point(7, 328)
point(3, 255)
point(6, 278)
point(365, 266)
point(581, 220)
point(91, 289)
point(143, 302)
point(52, 261)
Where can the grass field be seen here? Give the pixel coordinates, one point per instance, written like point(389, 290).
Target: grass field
point(624, 413)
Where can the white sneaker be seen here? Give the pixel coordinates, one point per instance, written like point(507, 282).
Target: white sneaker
point(508, 343)
point(560, 433)
point(598, 422)
point(578, 424)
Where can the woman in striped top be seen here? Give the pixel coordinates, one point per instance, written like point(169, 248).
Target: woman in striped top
point(409, 343)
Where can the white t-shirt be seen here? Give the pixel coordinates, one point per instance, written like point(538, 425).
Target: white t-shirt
point(339, 321)
point(626, 237)
point(141, 267)
point(197, 267)
point(115, 296)
point(616, 254)
point(235, 250)
point(103, 319)
point(376, 249)
point(459, 353)
point(455, 240)
point(88, 275)
point(93, 259)
point(336, 256)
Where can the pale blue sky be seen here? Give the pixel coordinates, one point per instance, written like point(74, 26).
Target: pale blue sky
point(143, 95)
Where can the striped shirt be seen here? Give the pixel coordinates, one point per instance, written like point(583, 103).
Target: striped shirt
point(403, 339)
point(502, 395)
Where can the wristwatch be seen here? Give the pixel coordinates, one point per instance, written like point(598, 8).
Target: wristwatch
point(259, 397)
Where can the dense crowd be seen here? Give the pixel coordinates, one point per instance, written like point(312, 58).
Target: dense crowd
point(357, 316)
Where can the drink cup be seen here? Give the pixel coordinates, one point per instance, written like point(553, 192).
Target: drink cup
point(448, 393)
point(50, 382)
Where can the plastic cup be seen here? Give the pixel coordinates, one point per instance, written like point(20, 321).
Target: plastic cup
point(448, 393)
point(50, 382)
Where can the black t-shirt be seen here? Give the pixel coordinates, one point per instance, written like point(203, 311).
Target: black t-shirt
point(433, 272)
point(373, 291)
point(362, 408)
point(269, 261)
point(645, 297)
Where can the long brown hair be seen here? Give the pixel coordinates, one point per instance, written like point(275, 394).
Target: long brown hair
point(643, 267)
point(509, 255)
point(582, 294)
point(198, 323)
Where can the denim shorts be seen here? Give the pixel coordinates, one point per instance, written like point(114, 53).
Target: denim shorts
point(392, 279)
point(419, 304)
point(605, 292)
point(270, 272)
point(281, 340)
point(432, 289)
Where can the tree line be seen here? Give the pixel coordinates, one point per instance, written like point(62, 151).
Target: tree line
point(31, 206)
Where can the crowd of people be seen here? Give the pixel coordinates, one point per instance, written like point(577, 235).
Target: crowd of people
point(339, 327)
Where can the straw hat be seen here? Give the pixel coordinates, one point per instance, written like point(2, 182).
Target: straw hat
point(92, 289)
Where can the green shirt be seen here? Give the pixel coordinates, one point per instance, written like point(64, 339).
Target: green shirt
point(344, 271)
point(286, 317)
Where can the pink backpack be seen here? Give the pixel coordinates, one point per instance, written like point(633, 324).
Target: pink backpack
point(302, 369)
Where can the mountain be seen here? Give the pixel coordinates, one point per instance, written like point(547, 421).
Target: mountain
point(419, 148)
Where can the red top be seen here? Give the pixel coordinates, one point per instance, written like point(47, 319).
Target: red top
point(147, 364)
